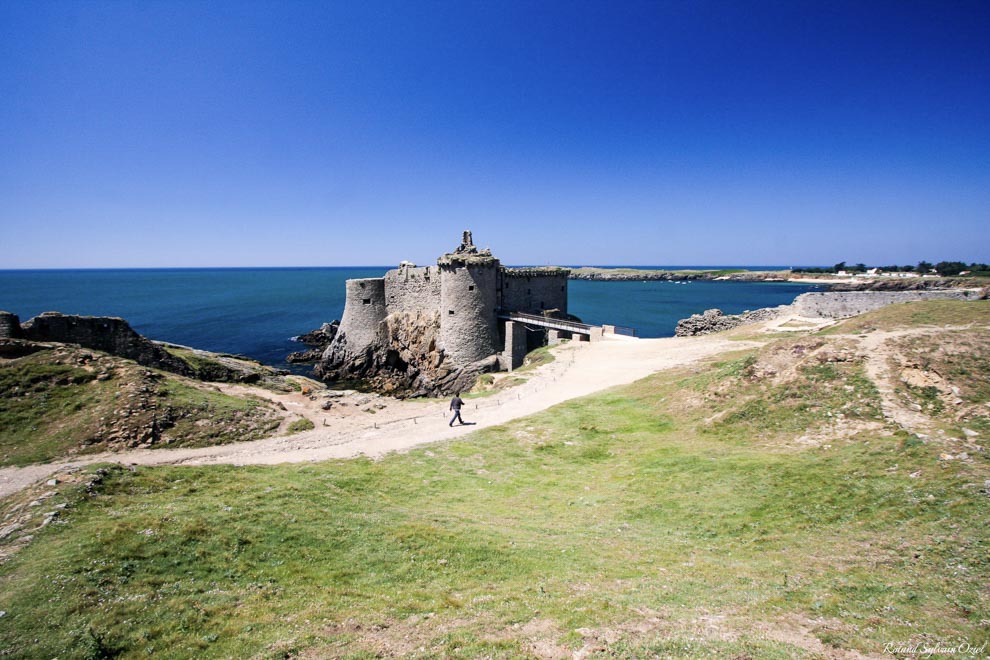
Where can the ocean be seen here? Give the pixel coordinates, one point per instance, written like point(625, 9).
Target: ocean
point(256, 311)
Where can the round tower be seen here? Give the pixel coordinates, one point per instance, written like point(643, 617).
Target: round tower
point(364, 309)
point(468, 329)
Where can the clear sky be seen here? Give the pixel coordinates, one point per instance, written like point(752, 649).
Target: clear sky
point(158, 133)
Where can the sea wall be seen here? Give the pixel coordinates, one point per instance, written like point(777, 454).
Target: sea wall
point(843, 304)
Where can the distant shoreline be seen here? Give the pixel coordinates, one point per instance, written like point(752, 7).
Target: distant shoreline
point(851, 282)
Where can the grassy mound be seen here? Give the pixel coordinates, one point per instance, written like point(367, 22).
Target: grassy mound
point(760, 506)
point(64, 400)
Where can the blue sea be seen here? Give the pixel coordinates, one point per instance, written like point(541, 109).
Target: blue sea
point(256, 311)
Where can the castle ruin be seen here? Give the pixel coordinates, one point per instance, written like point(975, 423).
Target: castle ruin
point(432, 330)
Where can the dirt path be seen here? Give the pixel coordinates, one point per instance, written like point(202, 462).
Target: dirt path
point(579, 369)
point(876, 345)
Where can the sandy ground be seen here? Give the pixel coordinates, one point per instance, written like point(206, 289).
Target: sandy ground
point(349, 431)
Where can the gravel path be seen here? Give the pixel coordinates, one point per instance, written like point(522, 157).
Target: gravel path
point(579, 369)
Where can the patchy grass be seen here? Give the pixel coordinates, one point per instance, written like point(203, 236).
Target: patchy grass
point(915, 314)
point(300, 425)
point(45, 406)
point(489, 384)
point(670, 517)
point(537, 358)
point(67, 400)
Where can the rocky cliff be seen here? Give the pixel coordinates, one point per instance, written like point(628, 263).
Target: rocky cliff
point(403, 359)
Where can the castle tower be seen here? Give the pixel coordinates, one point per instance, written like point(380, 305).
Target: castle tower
point(364, 308)
point(468, 281)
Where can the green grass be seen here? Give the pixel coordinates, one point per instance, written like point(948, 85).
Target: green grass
point(43, 406)
point(63, 401)
point(631, 514)
point(300, 425)
point(537, 358)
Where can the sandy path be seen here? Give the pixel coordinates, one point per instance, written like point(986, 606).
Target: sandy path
point(580, 369)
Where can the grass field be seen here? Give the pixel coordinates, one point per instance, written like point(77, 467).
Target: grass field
point(714, 511)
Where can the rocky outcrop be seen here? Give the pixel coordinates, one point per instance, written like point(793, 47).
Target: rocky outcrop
point(319, 339)
point(322, 336)
point(103, 333)
point(904, 284)
point(403, 359)
point(713, 320)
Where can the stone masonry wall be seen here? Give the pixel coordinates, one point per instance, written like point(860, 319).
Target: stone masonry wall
point(364, 309)
point(412, 290)
point(468, 331)
point(10, 326)
point(843, 304)
point(532, 291)
point(103, 333)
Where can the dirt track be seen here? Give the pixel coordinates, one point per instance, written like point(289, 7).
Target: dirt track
point(579, 369)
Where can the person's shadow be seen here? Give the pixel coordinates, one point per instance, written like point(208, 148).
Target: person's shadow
point(469, 423)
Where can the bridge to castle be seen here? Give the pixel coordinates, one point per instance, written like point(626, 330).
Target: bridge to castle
point(517, 322)
point(545, 322)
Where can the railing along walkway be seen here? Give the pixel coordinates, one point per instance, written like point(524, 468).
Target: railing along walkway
point(544, 322)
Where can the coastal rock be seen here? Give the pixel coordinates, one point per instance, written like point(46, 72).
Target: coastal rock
point(322, 336)
point(905, 284)
point(311, 355)
point(713, 320)
point(319, 339)
point(402, 360)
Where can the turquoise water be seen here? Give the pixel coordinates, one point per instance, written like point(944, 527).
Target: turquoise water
point(256, 311)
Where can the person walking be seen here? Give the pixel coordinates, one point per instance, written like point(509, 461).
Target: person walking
point(455, 405)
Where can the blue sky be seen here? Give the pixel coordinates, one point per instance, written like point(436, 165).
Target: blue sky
point(142, 134)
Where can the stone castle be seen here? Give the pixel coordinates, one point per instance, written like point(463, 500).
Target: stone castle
point(432, 330)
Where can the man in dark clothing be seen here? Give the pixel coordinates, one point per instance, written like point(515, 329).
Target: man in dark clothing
point(455, 405)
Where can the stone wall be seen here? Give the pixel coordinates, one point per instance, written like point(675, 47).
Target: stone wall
point(468, 330)
point(840, 305)
point(10, 326)
point(364, 309)
point(412, 290)
point(533, 290)
point(103, 333)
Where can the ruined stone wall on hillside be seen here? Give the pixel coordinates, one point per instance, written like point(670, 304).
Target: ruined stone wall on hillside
point(103, 333)
point(10, 326)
